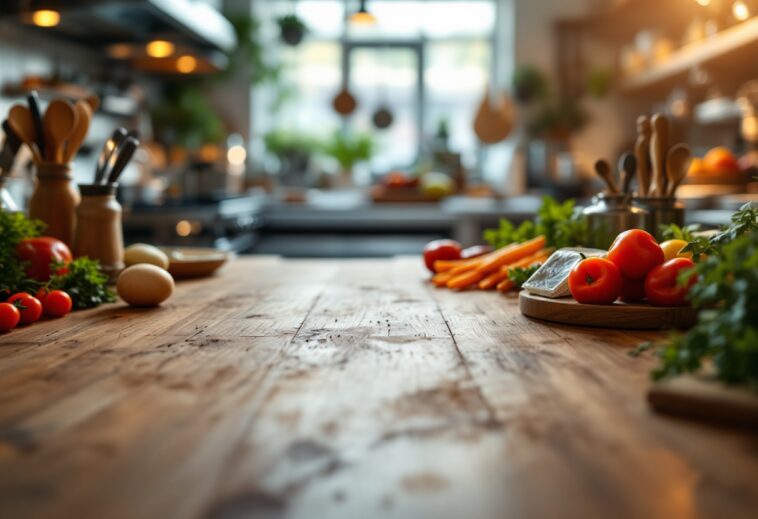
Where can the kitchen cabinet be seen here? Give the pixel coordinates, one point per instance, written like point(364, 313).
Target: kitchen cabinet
point(346, 388)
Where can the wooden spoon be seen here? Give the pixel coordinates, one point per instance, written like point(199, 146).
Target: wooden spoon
point(677, 165)
point(627, 168)
point(60, 121)
point(21, 121)
point(93, 101)
point(659, 147)
point(603, 170)
point(84, 116)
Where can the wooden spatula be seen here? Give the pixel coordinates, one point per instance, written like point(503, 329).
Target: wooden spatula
point(21, 121)
point(59, 122)
point(677, 164)
point(84, 115)
point(627, 168)
point(603, 170)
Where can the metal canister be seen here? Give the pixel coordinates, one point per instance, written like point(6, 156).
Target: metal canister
point(610, 215)
point(660, 211)
point(6, 200)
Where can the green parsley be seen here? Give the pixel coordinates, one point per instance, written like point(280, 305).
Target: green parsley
point(85, 282)
point(562, 224)
point(14, 227)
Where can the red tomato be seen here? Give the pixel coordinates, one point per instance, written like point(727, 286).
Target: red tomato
point(632, 290)
point(57, 303)
point(41, 295)
point(441, 250)
point(662, 286)
point(30, 307)
point(475, 251)
point(9, 317)
point(595, 281)
point(40, 253)
point(635, 253)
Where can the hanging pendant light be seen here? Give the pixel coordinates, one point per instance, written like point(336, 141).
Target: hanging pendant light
point(41, 13)
point(362, 16)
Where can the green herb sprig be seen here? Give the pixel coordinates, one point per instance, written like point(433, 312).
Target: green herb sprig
point(562, 224)
point(15, 227)
point(85, 282)
point(726, 333)
point(519, 275)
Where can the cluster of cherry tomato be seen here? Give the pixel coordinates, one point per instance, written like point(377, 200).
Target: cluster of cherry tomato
point(634, 269)
point(24, 308)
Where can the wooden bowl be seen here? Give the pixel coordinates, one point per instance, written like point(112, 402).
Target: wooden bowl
point(193, 262)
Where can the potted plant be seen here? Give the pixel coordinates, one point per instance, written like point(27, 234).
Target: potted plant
point(293, 29)
point(348, 150)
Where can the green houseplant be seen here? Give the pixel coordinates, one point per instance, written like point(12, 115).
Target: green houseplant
point(292, 28)
point(348, 150)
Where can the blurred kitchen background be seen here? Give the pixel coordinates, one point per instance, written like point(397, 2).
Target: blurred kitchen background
point(327, 128)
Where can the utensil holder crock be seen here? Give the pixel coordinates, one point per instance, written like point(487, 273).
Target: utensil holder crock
point(660, 211)
point(610, 215)
point(54, 201)
point(98, 232)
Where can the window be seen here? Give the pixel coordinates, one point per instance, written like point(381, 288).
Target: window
point(428, 62)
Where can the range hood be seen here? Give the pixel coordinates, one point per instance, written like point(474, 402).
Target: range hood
point(189, 23)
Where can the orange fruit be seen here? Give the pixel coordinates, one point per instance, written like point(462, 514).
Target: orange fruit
point(720, 160)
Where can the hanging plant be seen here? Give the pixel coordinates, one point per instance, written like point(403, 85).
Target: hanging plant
point(293, 29)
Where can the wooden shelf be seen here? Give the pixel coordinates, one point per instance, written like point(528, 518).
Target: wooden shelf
point(725, 43)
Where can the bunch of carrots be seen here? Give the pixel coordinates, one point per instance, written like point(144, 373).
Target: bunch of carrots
point(490, 270)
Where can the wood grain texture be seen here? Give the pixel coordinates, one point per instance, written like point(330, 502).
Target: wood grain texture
point(627, 316)
point(346, 389)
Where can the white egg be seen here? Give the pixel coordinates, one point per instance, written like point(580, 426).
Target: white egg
point(144, 285)
point(144, 253)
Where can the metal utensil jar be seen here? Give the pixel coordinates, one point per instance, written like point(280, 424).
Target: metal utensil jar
point(6, 200)
point(660, 211)
point(610, 215)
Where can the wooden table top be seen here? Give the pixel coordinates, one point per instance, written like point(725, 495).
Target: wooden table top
point(346, 389)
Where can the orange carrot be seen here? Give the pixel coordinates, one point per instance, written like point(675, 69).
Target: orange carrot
point(510, 254)
point(445, 265)
point(506, 284)
point(465, 279)
point(440, 279)
point(502, 274)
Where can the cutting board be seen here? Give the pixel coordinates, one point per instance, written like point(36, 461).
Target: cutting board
point(618, 315)
point(705, 399)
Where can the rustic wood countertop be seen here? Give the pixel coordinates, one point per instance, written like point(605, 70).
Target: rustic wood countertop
point(346, 389)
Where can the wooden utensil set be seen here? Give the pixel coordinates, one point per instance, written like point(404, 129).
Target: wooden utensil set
point(56, 136)
point(658, 166)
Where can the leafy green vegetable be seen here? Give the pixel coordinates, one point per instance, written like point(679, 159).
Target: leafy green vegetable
point(673, 232)
point(562, 224)
point(744, 221)
point(85, 282)
point(15, 227)
point(727, 295)
point(507, 233)
point(519, 275)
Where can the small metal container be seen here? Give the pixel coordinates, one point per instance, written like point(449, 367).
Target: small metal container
point(6, 200)
point(610, 215)
point(660, 211)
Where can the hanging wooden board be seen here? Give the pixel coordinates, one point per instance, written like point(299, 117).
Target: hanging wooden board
point(707, 399)
point(618, 315)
